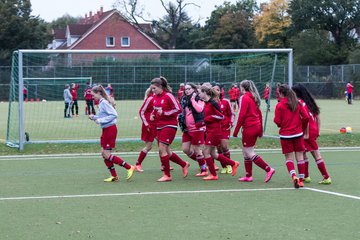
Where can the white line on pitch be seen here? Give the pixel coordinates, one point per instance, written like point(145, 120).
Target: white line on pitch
point(141, 193)
point(83, 155)
point(333, 193)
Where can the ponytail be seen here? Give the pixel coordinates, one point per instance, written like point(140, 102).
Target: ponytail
point(286, 91)
point(249, 86)
point(100, 89)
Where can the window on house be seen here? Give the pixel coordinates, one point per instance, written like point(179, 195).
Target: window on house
point(125, 41)
point(110, 41)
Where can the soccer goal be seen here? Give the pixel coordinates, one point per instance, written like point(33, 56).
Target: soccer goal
point(43, 73)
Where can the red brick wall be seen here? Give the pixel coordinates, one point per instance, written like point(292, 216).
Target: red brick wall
point(116, 27)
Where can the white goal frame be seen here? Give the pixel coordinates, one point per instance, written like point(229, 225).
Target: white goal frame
point(21, 52)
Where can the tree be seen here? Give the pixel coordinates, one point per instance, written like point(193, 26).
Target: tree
point(19, 29)
point(271, 25)
point(312, 47)
point(230, 25)
point(167, 29)
point(62, 22)
point(338, 17)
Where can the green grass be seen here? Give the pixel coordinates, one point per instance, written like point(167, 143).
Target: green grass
point(252, 215)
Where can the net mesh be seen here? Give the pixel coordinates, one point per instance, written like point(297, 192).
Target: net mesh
point(45, 74)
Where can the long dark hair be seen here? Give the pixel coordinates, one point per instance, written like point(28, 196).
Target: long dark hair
point(303, 93)
point(162, 82)
point(286, 91)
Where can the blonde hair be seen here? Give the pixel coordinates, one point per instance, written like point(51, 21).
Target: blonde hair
point(249, 86)
point(100, 89)
point(147, 93)
point(161, 82)
point(208, 90)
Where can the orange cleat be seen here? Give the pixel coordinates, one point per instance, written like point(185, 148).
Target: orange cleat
point(201, 174)
point(211, 177)
point(139, 168)
point(185, 169)
point(234, 168)
point(165, 178)
point(269, 175)
point(295, 182)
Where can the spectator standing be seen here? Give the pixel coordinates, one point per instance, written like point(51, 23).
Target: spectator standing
point(67, 100)
point(349, 90)
point(74, 89)
point(89, 100)
point(180, 92)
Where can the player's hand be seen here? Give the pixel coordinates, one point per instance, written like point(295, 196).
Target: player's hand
point(160, 112)
point(91, 116)
point(148, 129)
point(152, 117)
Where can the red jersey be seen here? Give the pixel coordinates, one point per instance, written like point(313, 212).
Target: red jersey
point(249, 113)
point(313, 127)
point(109, 90)
point(349, 88)
point(266, 93)
point(233, 94)
point(73, 92)
point(87, 94)
point(212, 119)
point(170, 108)
point(291, 124)
point(24, 90)
point(145, 111)
point(237, 93)
point(229, 115)
point(180, 92)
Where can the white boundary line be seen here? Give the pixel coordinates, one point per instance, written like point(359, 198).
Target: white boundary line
point(142, 193)
point(333, 193)
point(172, 192)
point(75, 155)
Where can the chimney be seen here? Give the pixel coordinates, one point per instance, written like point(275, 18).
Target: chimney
point(85, 17)
point(101, 10)
point(90, 14)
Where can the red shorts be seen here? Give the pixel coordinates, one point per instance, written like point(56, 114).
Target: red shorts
point(250, 135)
point(148, 136)
point(212, 140)
point(292, 145)
point(166, 135)
point(311, 145)
point(195, 138)
point(108, 137)
point(225, 134)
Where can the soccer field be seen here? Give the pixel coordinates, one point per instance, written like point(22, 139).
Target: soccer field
point(45, 121)
point(64, 197)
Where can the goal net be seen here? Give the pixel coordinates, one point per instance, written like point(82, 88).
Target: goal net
point(36, 115)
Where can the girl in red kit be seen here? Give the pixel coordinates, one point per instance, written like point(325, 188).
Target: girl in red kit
point(106, 118)
point(74, 88)
point(89, 100)
point(148, 129)
point(165, 113)
point(292, 119)
point(226, 125)
point(266, 96)
point(250, 120)
point(191, 122)
point(311, 145)
point(212, 118)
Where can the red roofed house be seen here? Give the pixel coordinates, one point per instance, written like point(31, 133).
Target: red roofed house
point(104, 30)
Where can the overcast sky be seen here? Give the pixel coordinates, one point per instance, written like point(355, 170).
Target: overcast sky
point(51, 10)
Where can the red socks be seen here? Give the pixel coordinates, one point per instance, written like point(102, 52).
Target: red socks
point(165, 161)
point(248, 167)
point(141, 157)
point(176, 159)
point(301, 169)
point(119, 161)
point(261, 163)
point(291, 167)
point(111, 167)
point(225, 160)
point(321, 166)
point(306, 160)
point(211, 166)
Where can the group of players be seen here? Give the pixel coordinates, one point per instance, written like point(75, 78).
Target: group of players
point(71, 99)
point(206, 119)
